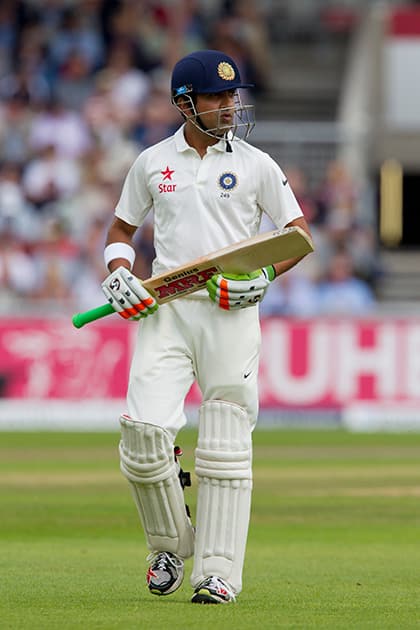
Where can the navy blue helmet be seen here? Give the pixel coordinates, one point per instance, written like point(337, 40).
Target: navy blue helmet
point(211, 72)
point(205, 72)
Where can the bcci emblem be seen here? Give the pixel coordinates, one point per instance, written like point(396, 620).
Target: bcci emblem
point(227, 181)
point(225, 71)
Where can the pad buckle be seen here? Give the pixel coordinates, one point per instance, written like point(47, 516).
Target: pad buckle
point(184, 477)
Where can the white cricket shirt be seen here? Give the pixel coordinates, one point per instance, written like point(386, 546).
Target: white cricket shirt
point(203, 204)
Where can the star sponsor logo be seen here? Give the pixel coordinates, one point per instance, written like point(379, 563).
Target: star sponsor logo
point(167, 176)
point(167, 173)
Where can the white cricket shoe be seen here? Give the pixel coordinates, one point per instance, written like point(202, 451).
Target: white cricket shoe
point(213, 590)
point(165, 573)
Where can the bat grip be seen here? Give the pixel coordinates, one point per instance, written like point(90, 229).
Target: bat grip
point(80, 319)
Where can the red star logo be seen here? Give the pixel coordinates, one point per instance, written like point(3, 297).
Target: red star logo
point(167, 174)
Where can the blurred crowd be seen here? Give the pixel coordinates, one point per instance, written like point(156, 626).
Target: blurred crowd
point(341, 276)
point(84, 87)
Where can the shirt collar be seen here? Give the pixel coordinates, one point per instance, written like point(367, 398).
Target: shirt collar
point(180, 142)
point(182, 145)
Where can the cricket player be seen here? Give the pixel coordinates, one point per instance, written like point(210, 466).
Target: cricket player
point(207, 188)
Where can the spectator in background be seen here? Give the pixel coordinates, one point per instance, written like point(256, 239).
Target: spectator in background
point(337, 198)
point(341, 226)
point(29, 76)
point(15, 128)
point(127, 86)
point(76, 34)
point(294, 296)
point(74, 81)
point(49, 177)
point(15, 211)
point(99, 113)
point(62, 128)
point(340, 292)
point(159, 32)
point(26, 84)
point(8, 35)
point(125, 22)
point(56, 256)
point(159, 119)
point(18, 273)
point(362, 248)
point(94, 199)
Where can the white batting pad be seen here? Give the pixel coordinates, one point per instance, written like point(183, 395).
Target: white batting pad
point(223, 467)
point(147, 460)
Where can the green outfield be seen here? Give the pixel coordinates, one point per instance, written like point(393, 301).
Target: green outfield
point(334, 539)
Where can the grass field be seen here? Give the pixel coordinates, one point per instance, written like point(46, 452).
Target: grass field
point(334, 539)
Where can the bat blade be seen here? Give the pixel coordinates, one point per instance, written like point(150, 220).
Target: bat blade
point(243, 257)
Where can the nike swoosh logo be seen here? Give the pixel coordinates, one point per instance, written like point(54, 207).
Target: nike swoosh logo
point(284, 182)
point(247, 374)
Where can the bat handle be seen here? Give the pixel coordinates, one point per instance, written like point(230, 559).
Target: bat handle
point(80, 319)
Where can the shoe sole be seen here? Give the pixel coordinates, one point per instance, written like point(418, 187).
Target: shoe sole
point(205, 597)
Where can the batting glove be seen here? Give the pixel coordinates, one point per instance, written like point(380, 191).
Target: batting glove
point(231, 291)
point(127, 295)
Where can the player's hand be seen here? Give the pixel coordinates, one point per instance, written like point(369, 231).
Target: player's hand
point(232, 291)
point(127, 295)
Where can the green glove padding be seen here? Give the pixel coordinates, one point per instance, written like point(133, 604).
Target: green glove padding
point(234, 291)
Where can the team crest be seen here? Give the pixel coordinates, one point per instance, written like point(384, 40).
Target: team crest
point(225, 71)
point(227, 181)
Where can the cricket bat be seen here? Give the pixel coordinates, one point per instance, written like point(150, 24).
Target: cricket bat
point(242, 257)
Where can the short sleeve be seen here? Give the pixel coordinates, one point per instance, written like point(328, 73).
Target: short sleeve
point(275, 196)
point(135, 201)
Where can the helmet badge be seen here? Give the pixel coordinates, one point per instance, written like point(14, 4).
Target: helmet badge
point(225, 71)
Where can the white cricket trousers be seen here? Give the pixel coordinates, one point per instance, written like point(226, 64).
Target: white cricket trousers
point(193, 339)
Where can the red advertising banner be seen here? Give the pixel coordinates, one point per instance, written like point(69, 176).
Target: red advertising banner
point(404, 21)
point(304, 364)
point(334, 363)
point(49, 359)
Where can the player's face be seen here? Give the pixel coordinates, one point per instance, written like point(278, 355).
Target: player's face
point(217, 114)
point(217, 110)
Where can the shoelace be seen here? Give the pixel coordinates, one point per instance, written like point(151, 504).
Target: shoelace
point(162, 558)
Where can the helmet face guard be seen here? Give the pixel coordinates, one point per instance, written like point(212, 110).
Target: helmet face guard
point(207, 72)
point(242, 124)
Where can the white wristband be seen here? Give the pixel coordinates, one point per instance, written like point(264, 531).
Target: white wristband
point(119, 250)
